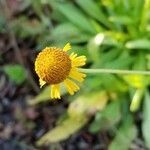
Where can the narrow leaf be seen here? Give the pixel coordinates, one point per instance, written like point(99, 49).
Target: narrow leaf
point(75, 16)
point(62, 131)
point(93, 10)
point(107, 118)
point(88, 104)
point(146, 119)
point(125, 135)
point(43, 96)
point(138, 44)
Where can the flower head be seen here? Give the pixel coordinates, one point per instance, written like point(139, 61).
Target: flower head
point(54, 66)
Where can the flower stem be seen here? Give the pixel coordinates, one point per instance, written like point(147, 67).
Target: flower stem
point(114, 71)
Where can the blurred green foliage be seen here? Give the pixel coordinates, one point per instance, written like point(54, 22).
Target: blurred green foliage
point(112, 34)
point(16, 73)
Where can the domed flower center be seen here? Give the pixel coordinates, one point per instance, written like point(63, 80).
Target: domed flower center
point(53, 65)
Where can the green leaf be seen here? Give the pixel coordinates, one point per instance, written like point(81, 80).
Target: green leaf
point(109, 56)
point(94, 82)
point(26, 28)
point(125, 135)
point(91, 8)
point(140, 62)
point(145, 15)
point(16, 73)
point(148, 61)
point(63, 130)
point(138, 44)
point(109, 117)
point(121, 19)
point(88, 104)
point(137, 81)
point(93, 46)
point(136, 100)
point(146, 119)
point(109, 80)
point(79, 112)
point(75, 16)
point(112, 113)
point(43, 96)
point(120, 62)
point(68, 32)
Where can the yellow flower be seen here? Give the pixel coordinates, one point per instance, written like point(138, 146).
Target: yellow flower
point(54, 66)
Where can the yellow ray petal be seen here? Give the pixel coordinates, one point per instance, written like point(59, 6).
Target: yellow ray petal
point(75, 74)
point(71, 86)
point(67, 47)
point(55, 91)
point(72, 56)
point(77, 61)
point(52, 92)
point(41, 82)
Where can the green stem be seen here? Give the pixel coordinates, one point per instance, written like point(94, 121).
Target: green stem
point(115, 71)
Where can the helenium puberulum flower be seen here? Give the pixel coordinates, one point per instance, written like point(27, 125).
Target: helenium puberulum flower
point(54, 66)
